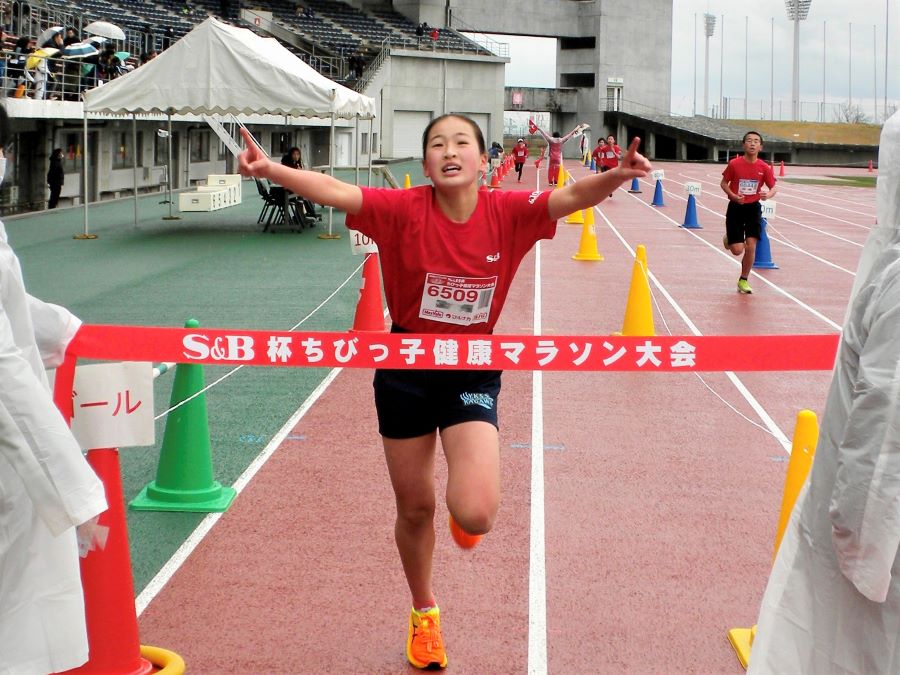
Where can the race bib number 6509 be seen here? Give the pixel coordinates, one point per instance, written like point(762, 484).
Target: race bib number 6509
point(458, 300)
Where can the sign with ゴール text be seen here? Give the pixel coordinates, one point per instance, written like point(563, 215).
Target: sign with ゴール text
point(113, 405)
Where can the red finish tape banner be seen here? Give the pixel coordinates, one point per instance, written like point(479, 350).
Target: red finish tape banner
point(457, 352)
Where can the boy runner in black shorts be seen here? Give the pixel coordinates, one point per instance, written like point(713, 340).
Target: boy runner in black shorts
point(742, 181)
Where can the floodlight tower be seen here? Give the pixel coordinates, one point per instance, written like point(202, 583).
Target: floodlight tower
point(710, 25)
point(797, 11)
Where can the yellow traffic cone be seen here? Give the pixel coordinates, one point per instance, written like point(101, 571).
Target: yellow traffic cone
point(803, 450)
point(587, 248)
point(639, 310)
point(641, 254)
point(406, 183)
point(575, 218)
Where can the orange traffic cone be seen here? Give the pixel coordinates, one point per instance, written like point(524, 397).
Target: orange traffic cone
point(781, 169)
point(587, 248)
point(369, 316)
point(639, 310)
point(495, 180)
point(108, 584)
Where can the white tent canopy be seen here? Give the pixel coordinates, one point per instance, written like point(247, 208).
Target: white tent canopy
point(220, 69)
point(217, 68)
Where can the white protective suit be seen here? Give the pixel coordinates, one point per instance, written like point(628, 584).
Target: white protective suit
point(832, 604)
point(47, 488)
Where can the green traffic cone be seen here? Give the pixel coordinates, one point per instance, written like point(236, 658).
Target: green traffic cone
point(184, 476)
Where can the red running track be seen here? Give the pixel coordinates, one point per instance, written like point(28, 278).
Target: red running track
point(660, 493)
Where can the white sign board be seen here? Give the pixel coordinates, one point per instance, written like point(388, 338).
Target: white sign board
point(693, 189)
point(360, 244)
point(113, 405)
point(657, 174)
point(768, 209)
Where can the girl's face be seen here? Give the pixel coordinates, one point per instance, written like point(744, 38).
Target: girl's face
point(452, 157)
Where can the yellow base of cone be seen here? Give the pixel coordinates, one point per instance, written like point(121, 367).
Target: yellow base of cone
point(741, 639)
point(575, 218)
point(594, 256)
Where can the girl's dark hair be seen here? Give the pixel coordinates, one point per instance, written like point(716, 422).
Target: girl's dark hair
point(56, 154)
point(5, 128)
point(556, 134)
point(475, 128)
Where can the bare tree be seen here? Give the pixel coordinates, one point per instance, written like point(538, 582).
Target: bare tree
point(891, 109)
point(851, 114)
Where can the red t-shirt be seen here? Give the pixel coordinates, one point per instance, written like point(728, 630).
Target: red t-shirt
point(611, 156)
point(520, 153)
point(747, 178)
point(446, 277)
point(597, 154)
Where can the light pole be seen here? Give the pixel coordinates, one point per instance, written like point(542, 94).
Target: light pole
point(695, 65)
point(721, 72)
point(746, 59)
point(887, 11)
point(797, 11)
point(849, 68)
point(772, 74)
point(824, 42)
point(710, 25)
point(874, 75)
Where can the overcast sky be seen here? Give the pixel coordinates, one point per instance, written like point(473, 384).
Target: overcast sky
point(533, 59)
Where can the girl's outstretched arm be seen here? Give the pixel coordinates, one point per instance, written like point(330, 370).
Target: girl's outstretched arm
point(595, 188)
point(317, 187)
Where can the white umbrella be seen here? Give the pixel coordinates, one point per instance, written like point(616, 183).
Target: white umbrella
point(96, 40)
point(47, 34)
point(105, 29)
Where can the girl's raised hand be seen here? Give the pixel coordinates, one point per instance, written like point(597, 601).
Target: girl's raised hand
point(252, 162)
point(634, 162)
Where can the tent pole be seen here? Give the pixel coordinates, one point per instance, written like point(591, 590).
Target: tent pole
point(134, 160)
point(169, 167)
point(84, 173)
point(330, 234)
point(371, 150)
point(356, 149)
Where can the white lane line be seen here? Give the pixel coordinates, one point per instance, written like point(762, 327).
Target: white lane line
point(781, 218)
point(737, 262)
point(178, 558)
point(794, 206)
point(537, 565)
point(793, 189)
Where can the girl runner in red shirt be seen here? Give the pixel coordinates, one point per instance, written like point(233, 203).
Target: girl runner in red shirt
point(448, 233)
point(520, 154)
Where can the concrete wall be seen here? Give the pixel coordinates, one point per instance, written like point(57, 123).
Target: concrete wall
point(440, 83)
point(633, 42)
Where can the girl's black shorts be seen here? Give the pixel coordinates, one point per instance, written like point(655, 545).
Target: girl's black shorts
point(413, 403)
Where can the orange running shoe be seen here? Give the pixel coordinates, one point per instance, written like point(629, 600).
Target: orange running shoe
point(462, 538)
point(424, 644)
